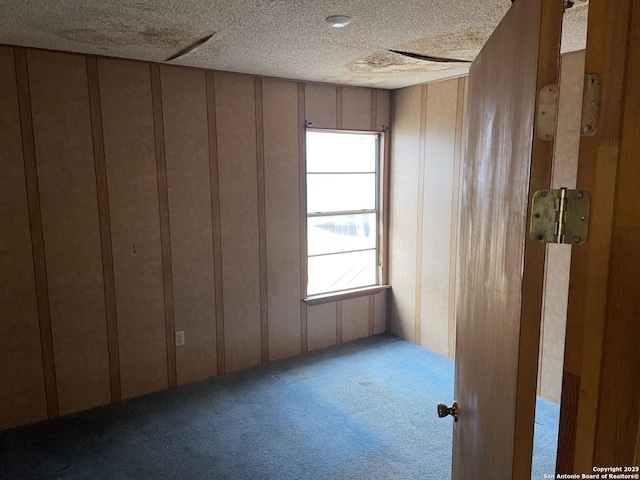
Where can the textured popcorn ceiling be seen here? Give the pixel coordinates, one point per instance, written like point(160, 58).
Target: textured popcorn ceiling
point(282, 38)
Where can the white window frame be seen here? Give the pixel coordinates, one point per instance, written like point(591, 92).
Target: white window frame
point(379, 215)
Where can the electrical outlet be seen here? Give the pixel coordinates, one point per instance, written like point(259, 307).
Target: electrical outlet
point(180, 338)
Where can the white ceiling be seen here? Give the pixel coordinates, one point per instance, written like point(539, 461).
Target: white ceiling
point(282, 38)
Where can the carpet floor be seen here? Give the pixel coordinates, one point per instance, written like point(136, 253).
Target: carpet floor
point(362, 410)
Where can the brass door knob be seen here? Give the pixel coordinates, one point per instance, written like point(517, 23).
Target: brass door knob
point(444, 411)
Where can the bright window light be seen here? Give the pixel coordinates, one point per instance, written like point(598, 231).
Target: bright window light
point(342, 211)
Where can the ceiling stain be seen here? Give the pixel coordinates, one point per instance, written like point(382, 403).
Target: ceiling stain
point(120, 35)
point(388, 62)
point(283, 38)
point(464, 44)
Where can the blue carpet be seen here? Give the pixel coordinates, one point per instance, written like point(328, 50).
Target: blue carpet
point(545, 439)
point(363, 410)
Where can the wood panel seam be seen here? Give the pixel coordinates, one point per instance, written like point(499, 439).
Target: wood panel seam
point(339, 107)
point(339, 322)
point(386, 208)
point(386, 272)
point(262, 225)
point(374, 109)
point(102, 192)
point(37, 233)
point(215, 220)
point(304, 341)
point(372, 308)
point(455, 217)
point(165, 227)
point(420, 210)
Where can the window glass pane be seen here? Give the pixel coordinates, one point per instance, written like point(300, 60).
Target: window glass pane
point(340, 152)
point(343, 271)
point(335, 193)
point(341, 233)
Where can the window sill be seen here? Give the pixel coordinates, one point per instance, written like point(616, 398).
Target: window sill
point(345, 295)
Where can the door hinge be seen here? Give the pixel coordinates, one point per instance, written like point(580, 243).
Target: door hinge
point(591, 96)
point(560, 216)
point(546, 112)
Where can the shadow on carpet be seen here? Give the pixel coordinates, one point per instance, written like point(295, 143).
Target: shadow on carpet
point(362, 410)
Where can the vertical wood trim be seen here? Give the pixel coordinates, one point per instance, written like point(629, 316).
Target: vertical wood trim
point(618, 409)
point(386, 207)
point(105, 228)
point(569, 416)
point(419, 220)
point(383, 202)
point(165, 228)
point(546, 256)
point(374, 109)
point(37, 234)
point(385, 195)
point(636, 460)
point(262, 221)
point(534, 253)
point(543, 315)
point(339, 322)
point(372, 314)
point(590, 265)
point(215, 219)
point(455, 217)
point(302, 170)
point(339, 109)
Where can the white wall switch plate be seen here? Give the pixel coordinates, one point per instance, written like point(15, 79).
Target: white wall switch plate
point(180, 338)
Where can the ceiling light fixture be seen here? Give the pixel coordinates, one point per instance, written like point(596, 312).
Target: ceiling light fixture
point(338, 21)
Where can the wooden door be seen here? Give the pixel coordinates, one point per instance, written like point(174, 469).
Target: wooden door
point(501, 269)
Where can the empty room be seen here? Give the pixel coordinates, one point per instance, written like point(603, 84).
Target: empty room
point(273, 239)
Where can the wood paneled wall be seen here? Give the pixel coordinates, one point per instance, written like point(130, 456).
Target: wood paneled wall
point(140, 199)
point(427, 146)
point(427, 141)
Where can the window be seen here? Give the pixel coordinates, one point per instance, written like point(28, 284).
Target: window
point(342, 210)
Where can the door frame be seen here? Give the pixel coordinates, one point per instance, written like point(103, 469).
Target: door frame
point(600, 405)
